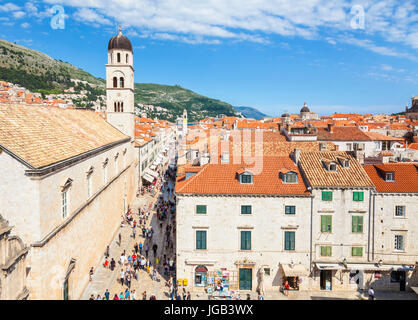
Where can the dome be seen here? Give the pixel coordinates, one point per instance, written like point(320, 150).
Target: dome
point(305, 108)
point(120, 42)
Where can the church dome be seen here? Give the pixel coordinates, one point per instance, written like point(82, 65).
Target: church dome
point(119, 42)
point(305, 108)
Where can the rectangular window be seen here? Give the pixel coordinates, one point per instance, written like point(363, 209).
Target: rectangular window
point(201, 240)
point(246, 178)
point(399, 243)
point(289, 240)
point(326, 251)
point(289, 209)
point(245, 240)
point(357, 225)
point(357, 251)
point(89, 186)
point(64, 204)
point(400, 211)
point(358, 196)
point(201, 209)
point(326, 195)
point(326, 223)
point(245, 209)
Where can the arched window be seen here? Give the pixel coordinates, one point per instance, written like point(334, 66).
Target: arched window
point(122, 82)
point(127, 58)
point(118, 57)
point(121, 107)
point(115, 82)
point(118, 106)
point(115, 107)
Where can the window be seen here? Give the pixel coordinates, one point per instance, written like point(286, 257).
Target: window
point(127, 58)
point(290, 209)
point(326, 224)
point(289, 240)
point(246, 178)
point(357, 225)
point(400, 211)
point(349, 147)
point(326, 251)
point(399, 243)
point(267, 271)
point(115, 82)
point(358, 196)
point(390, 176)
point(245, 209)
point(201, 240)
point(333, 167)
point(245, 240)
point(201, 209)
point(291, 177)
point(118, 57)
point(357, 251)
point(64, 203)
point(89, 186)
point(122, 82)
point(326, 195)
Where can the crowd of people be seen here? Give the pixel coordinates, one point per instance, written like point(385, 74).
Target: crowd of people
point(147, 254)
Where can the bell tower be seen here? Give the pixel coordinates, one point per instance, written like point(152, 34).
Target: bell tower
point(120, 109)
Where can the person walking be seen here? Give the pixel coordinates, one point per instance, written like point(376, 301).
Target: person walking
point(127, 294)
point(140, 247)
point(371, 293)
point(122, 276)
point(146, 250)
point(116, 297)
point(120, 239)
point(136, 248)
point(107, 294)
point(189, 296)
point(128, 280)
point(144, 295)
point(91, 274)
point(154, 249)
point(107, 254)
point(133, 295)
point(112, 264)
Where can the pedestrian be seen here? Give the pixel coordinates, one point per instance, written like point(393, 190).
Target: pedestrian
point(146, 250)
point(106, 263)
point(121, 296)
point(134, 232)
point(154, 274)
point(107, 252)
point(154, 249)
point(112, 264)
point(107, 294)
point(92, 297)
point(115, 297)
point(184, 294)
point(248, 296)
point(144, 295)
point(371, 293)
point(122, 276)
point(99, 297)
point(189, 296)
point(140, 247)
point(136, 248)
point(120, 239)
point(128, 280)
point(133, 295)
point(91, 274)
point(127, 294)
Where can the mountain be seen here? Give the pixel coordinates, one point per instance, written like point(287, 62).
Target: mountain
point(40, 73)
point(250, 112)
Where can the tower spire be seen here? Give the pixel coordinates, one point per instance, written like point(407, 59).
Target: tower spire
point(120, 29)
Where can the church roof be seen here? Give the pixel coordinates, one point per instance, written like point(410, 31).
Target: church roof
point(42, 136)
point(120, 42)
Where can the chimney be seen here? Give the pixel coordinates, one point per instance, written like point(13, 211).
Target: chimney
point(330, 127)
point(296, 155)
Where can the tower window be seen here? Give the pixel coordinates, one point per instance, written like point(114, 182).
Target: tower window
point(122, 82)
point(116, 107)
point(127, 58)
point(115, 82)
point(118, 57)
point(121, 107)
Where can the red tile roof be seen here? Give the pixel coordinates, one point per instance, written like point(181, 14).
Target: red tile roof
point(406, 177)
point(223, 179)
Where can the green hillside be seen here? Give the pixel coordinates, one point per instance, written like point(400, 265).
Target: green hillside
point(40, 73)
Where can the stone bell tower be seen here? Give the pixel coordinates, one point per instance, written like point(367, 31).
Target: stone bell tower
point(120, 111)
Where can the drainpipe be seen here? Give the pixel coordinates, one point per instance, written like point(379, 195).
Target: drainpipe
point(374, 222)
point(310, 252)
point(368, 240)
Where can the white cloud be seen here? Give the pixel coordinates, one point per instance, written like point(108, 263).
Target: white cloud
point(18, 14)
point(395, 21)
point(8, 7)
point(25, 25)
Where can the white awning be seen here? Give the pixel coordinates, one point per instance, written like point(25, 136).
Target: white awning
point(329, 266)
point(148, 178)
point(415, 289)
point(153, 167)
point(152, 173)
point(298, 270)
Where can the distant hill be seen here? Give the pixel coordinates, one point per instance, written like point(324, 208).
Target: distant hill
point(38, 72)
point(250, 112)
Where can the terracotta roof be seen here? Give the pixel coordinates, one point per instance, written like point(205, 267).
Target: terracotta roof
point(406, 177)
point(381, 137)
point(312, 163)
point(413, 146)
point(342, 134)
point(223, 179)
point(42, 136)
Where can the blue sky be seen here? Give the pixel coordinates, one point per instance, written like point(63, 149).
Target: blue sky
point(338, 56)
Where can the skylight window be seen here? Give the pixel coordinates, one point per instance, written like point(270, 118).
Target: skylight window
point(390, 176)
point(246, 178)
point(290, 177)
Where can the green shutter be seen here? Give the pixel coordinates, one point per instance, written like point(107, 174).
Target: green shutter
point(357, 225)
point(201, 240)
point(357, 251)
point(326, 195)
point(326, 223)
point(201, 209)
point(290, 209)
point(326, 251)
point(358, 196)
point(289, 240)
point(245, 240)
point(246, 210)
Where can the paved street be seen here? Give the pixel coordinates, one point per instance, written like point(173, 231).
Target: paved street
point(104, 278)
